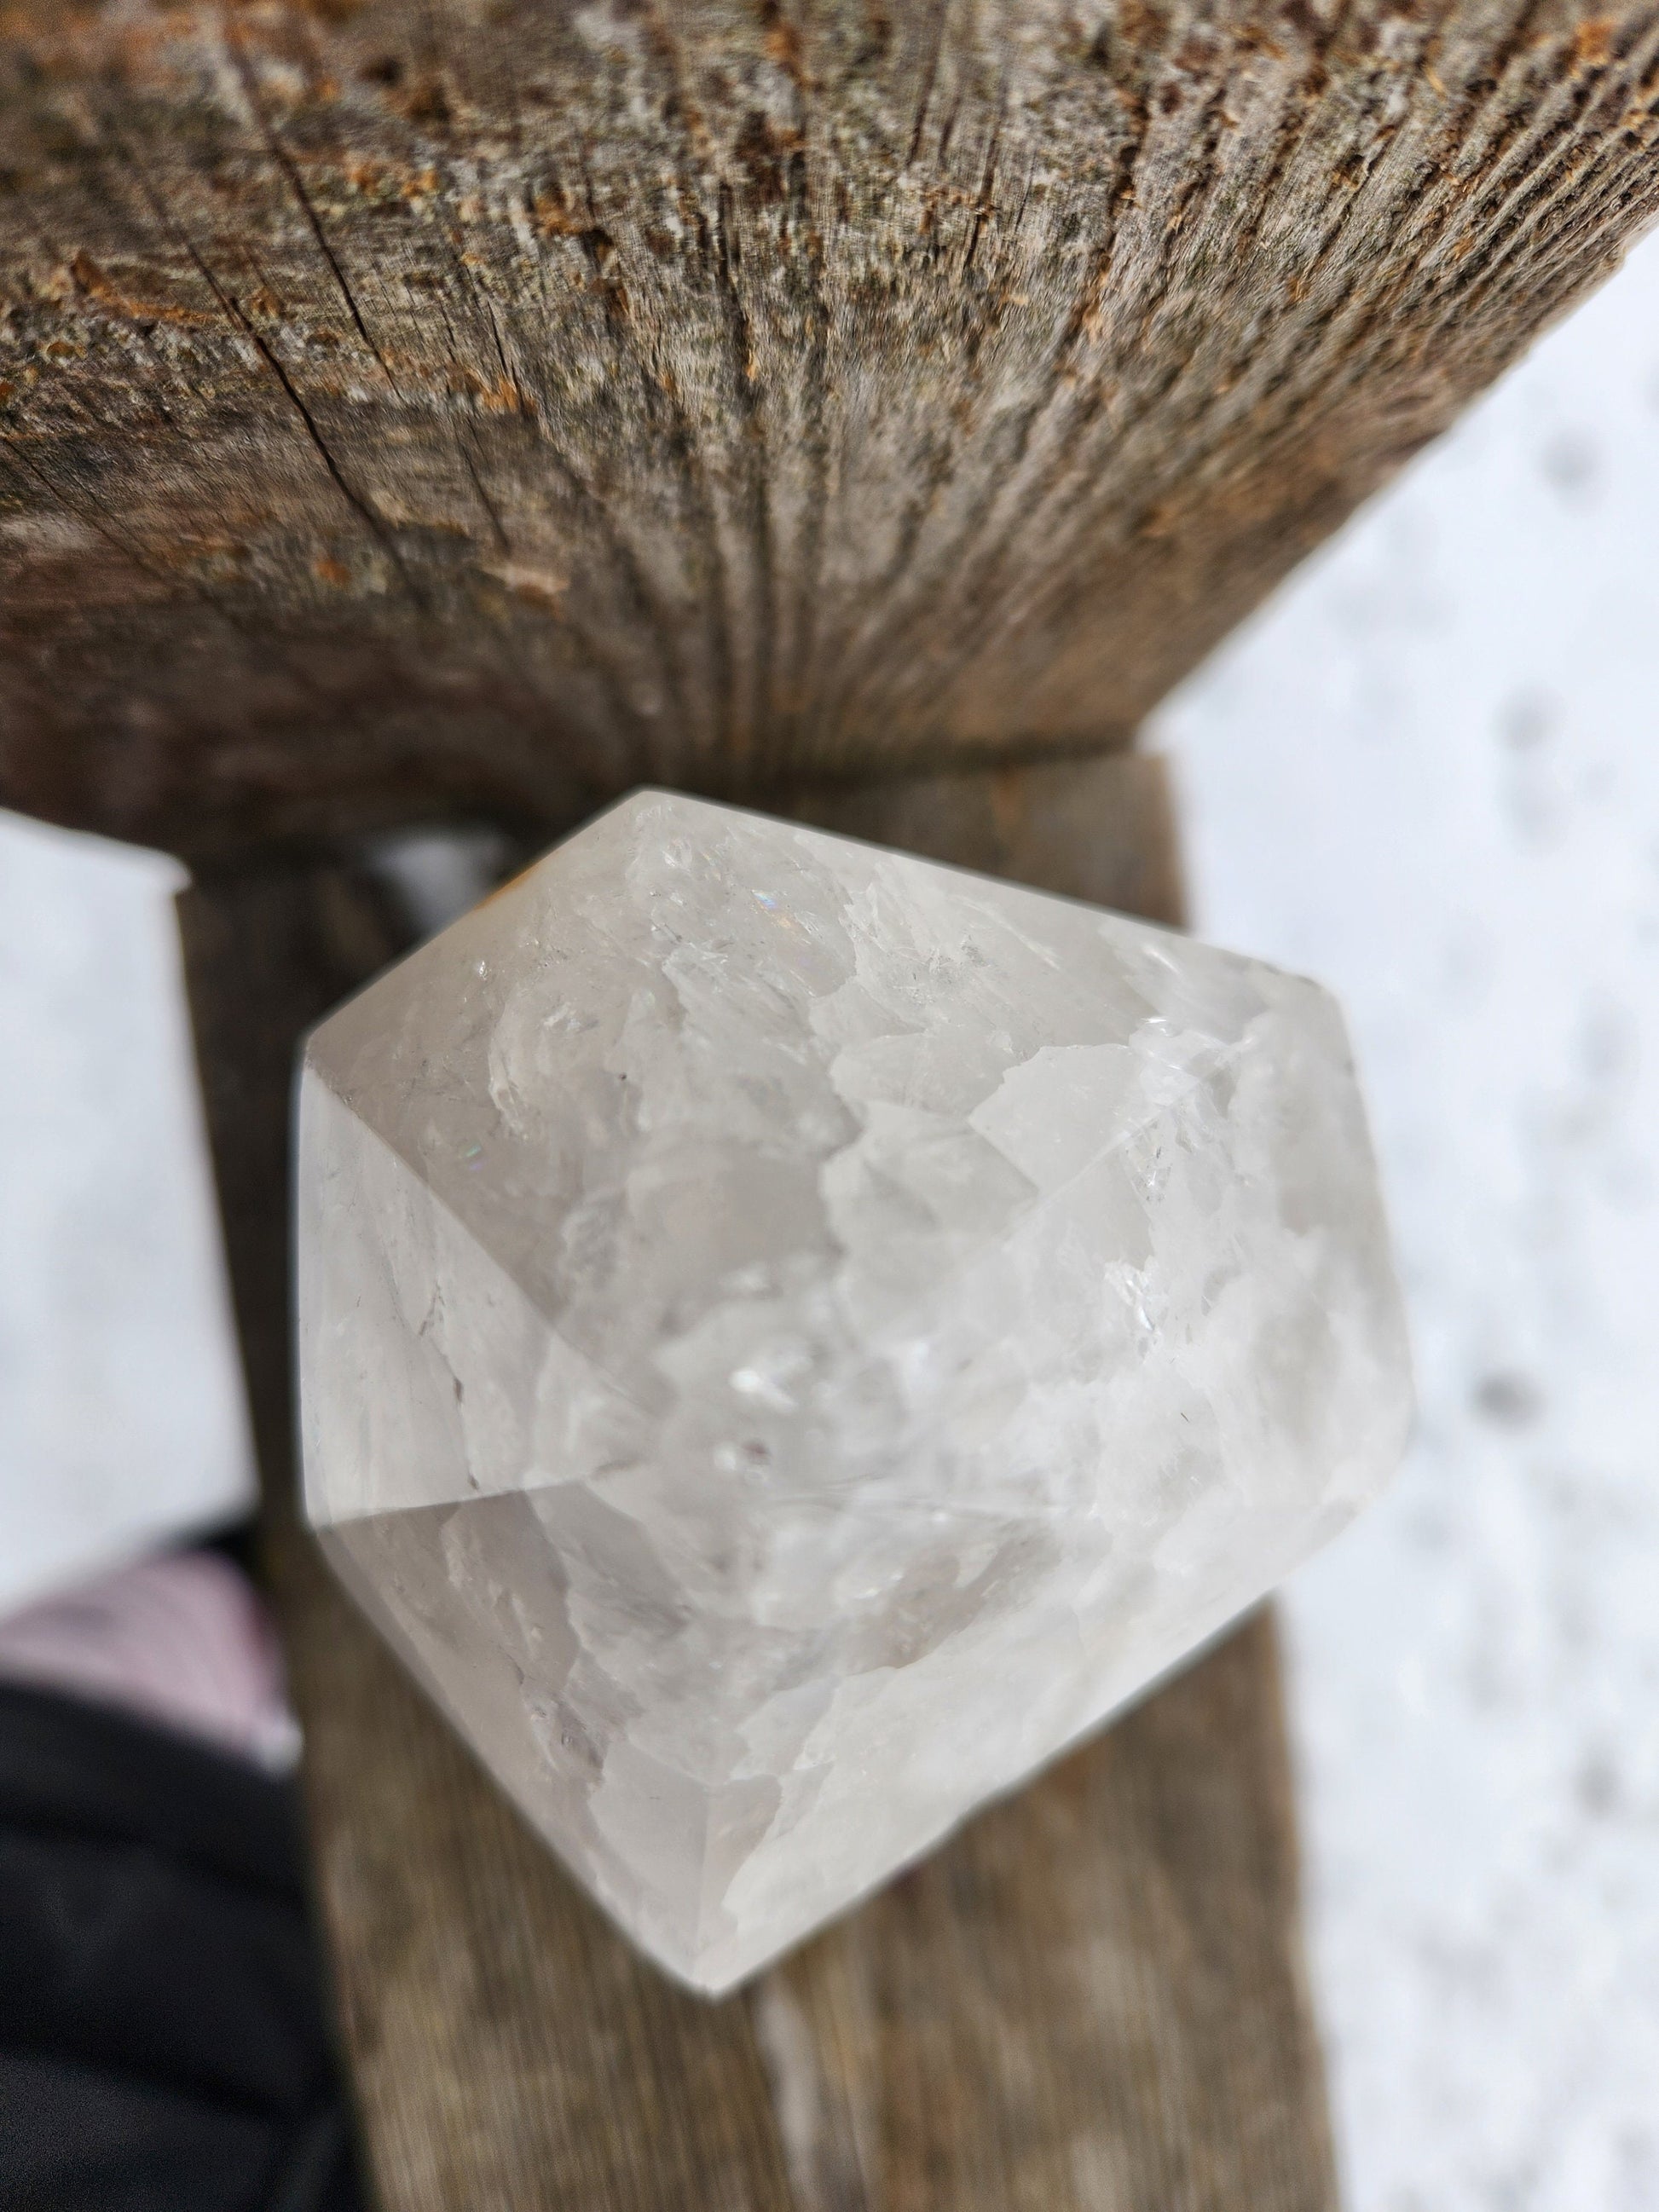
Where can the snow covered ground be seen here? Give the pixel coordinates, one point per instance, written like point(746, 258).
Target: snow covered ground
point(1428, 774)
point(120, 1405)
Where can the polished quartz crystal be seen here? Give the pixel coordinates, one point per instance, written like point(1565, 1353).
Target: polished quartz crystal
point(793, 1336)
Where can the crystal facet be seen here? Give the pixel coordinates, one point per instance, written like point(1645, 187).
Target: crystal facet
point(792, 1335)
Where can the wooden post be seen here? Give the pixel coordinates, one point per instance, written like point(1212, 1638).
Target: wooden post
point(424, 406)
point(1091, 1997)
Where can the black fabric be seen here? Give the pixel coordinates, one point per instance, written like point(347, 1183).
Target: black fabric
point(162, 2043)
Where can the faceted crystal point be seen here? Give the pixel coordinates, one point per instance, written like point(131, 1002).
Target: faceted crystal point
point(793, 1336)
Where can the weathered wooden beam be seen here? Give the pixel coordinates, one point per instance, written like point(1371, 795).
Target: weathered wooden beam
point(1091, 1997)
point(419, 406)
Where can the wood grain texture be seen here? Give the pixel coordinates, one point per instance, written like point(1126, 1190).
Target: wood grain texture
point(429, 405)
point(1090, 2001)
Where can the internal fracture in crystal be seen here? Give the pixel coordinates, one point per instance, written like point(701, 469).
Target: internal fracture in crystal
point(793, 1336)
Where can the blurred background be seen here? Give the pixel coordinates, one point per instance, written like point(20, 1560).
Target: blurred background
point(1424, 774)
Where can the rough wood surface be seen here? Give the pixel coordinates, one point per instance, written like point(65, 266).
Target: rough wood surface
point(1090, 2001)
point(423, 405)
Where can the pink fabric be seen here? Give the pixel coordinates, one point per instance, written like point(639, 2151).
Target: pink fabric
point(183, 1640)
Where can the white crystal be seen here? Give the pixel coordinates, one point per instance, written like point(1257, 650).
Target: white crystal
point(792, 1335)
